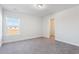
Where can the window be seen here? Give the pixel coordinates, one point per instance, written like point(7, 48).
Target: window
point(12, 24)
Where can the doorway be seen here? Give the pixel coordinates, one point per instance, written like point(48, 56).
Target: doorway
point(52, 29)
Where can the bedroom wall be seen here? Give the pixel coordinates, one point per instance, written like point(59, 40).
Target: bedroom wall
point(46, 26)
point(30, 27)
point(67, 25)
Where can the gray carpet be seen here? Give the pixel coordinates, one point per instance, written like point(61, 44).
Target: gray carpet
point(38, 46)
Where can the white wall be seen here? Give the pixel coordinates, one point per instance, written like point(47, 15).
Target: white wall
point(46, 26)
point(30, 27)
point(67, 26)
point(0, 25)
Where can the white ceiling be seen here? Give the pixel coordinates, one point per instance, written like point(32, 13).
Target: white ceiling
point(30, 9)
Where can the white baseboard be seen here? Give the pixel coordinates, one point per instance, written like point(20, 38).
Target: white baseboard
point(20, 39)
point(67, 42)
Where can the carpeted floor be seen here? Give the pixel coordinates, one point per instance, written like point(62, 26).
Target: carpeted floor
point(38, 46)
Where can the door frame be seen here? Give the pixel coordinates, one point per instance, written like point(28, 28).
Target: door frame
point(52, 28)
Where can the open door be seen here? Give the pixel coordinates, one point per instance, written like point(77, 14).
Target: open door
point(52, 30)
